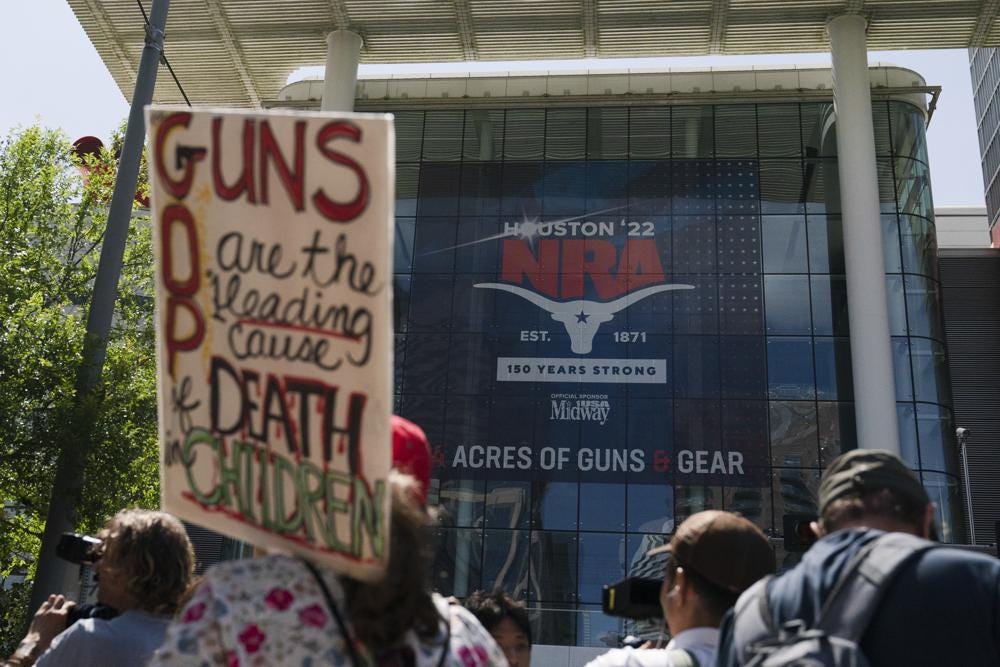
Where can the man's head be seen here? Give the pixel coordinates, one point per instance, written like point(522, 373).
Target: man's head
point(146, 562)
point(713, 557)
point(872, 489)
point(505, 619)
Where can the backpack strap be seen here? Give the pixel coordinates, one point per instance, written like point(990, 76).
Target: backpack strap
point(851, 605)
point(752, 620)
point(680, 657)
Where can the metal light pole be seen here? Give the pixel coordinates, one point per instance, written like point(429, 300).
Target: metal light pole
point(963, 440)
point(54, 575)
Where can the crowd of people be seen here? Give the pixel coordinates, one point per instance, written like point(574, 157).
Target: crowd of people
point(873, 589)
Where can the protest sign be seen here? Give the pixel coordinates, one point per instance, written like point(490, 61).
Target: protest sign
point(272, 235)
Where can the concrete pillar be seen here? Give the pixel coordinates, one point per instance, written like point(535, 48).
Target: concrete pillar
point(343, 48)
point(871, 353)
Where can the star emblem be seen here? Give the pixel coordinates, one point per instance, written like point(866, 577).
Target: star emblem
point(582, 317)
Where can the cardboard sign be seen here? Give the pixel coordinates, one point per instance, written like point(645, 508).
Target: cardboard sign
point(272, 236)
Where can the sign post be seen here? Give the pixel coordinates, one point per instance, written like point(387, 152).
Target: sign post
point(273, 237)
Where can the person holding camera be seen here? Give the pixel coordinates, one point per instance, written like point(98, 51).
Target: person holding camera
point(712, 558)
point(144, 564)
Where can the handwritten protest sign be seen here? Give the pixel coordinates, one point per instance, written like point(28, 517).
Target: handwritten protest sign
point(272, 236)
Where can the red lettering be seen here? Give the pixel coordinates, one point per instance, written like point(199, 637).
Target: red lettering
point(181, 289)
point(178, 188)
point(331, 210)
point(589, 257)
point(175, 343)
point(542, 271)
point(245, 181)
point(640, 264)
point(291, 178)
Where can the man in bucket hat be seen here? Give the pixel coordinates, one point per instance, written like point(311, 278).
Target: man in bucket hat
point(712, 558)
point(909, 604)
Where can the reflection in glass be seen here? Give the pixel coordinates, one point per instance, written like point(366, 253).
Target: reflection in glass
point(822, 186)
point(601, 562)
point(834, 375)
point(649, 133)
point(785, 244)
point(908, 448)
point(507, 504)
point(826, 244)
point(553, 578)
point(778, 128)
point(483, 135)
point(735, 131)
point(602, 507)
point(409, 135)
point(901, 368)
point(786, 299)
point(930, 371)
point(505, 562)
point(650, 508)
point(443, 135)
point(819, 131)
point(880, 123)
point(919, 245)
point(407, 178)
point(936, 430)
point(790, 368)
point(946, 495)
point(909, 138)
point(837, 433)
point(691, 130)
point(524, 134)
point(753, 502)
point(794, 427)
point(565, 134)
point(597, 629)
point(607, 133)
point(923, 307)
point(461, 502)
point(782, 187)
point(457, 557)
point(890, 244)
point(913, 188)
point(795, 492)
point(690, 500)
point(829, 305)
point(553, 505)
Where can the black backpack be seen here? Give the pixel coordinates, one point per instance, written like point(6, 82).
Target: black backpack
point(835, 637)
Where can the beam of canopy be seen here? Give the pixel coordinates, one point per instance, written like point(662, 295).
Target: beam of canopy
point(240, 52)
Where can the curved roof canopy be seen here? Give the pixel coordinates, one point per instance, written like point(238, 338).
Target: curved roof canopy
point(240, 52)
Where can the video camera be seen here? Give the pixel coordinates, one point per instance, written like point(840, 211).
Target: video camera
point(637, 598)
point(79, 549)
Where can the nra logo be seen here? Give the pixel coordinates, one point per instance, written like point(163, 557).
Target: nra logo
point(553, 274)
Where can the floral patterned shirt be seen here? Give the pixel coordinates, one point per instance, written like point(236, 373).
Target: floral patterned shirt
point(271, 611)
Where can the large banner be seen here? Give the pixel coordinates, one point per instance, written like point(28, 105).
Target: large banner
point(272, 238)
point(593, 322)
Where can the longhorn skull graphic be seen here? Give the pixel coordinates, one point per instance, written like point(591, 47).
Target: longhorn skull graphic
point(582, 318)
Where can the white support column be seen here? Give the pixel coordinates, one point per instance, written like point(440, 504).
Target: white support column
point(871, 350)
point(343, 48)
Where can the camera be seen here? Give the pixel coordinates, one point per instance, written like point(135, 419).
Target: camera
point(79, 549)
point(637, 598)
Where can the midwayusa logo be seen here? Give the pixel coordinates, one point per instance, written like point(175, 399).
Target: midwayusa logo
point(587, 410)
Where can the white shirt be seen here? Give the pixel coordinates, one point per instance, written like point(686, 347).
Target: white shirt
point(702, 643)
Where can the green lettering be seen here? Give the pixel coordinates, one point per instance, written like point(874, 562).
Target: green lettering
point(197, 437)
point(335, 506)
point(283, 521)
point(367, 515)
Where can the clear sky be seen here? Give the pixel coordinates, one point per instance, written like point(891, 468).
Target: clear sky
point(50, 72)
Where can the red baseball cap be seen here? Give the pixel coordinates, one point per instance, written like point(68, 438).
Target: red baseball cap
point(411, 454)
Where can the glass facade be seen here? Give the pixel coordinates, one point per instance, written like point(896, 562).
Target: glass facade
point(609, 318)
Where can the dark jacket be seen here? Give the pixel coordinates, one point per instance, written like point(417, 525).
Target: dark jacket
point(942, 608)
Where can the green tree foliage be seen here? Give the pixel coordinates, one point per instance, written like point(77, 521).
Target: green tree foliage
point(51, 225)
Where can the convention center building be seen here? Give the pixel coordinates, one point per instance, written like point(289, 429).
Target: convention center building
point(620, 299)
